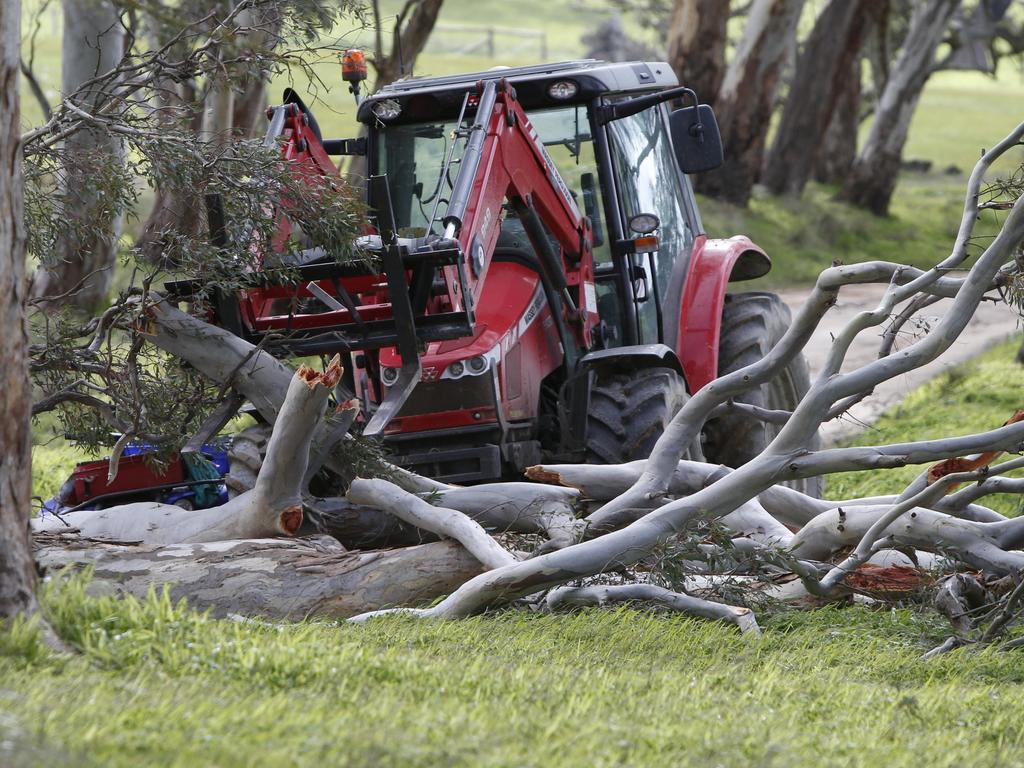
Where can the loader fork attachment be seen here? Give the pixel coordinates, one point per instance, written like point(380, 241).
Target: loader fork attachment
point(401, 309)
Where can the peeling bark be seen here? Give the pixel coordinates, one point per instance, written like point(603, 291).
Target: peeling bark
point(696, 45)
point(747, 97)
point(873, 177)
point(269, 578)
point(17, 573)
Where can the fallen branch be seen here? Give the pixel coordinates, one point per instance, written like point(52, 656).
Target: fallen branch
point(271, 578)
point(444, 522)
point(648, 593)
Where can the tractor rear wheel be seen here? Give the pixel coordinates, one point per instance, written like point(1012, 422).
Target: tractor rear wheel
point(628, 412)
point(752, 323)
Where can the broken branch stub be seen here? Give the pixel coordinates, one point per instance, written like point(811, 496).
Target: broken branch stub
point(272, 508)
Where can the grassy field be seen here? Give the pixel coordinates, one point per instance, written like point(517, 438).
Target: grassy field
point(159, 684)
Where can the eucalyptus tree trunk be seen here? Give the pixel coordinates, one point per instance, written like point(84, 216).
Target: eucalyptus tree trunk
point(873, 177)
point(232, 108)
point(747, 97)
point(250, 102)
point(268, 578)
point(838, 147)
point(17, 573)
point(408, 40)
point(696, 45)
point(86, 253)
point(824, 65)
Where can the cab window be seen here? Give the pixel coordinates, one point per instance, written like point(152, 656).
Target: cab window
point(648, 182)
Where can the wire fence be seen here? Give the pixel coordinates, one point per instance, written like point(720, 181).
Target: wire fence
point(489, 41)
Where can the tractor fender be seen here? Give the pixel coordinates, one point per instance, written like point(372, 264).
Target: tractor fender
point(633, 357)
point(713, 265)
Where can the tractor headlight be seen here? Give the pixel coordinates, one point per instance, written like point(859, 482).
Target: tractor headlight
point(386, 110)
point(563, 89)
point(477, 365)
point(644, 223)
point(389, 376)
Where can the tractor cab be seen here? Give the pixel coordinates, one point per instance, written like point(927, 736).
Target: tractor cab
point(622, 171)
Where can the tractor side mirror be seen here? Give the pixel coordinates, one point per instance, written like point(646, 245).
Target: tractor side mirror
point(695, 138)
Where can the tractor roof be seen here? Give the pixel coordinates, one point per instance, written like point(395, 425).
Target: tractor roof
point(429, 98)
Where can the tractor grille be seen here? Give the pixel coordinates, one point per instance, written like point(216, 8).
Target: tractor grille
point(449, 395)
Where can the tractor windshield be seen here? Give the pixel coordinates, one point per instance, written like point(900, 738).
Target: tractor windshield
point(413, 157)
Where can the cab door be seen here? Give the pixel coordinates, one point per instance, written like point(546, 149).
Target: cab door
point(647, 180)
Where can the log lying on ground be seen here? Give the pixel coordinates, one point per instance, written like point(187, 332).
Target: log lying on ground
point(788, 506)
point(499, 507)
point(520, 508)
point(273, 507)
point(269, 578)
point(603, 483)
point(361, 527)
point(978, 544)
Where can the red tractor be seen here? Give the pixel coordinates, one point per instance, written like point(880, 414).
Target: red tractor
point(545, 288)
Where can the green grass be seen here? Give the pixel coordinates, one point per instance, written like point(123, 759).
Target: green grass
point(160, 684)
point(156, 684)
point(803, 236)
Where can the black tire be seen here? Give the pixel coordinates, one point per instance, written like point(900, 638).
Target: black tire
point(628, 412)
point(752, 323)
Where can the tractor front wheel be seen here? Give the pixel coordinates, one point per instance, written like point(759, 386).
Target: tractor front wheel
point(628, 412)
point(752, 323)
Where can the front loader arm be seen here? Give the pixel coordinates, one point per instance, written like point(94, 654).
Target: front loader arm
point(505, 161)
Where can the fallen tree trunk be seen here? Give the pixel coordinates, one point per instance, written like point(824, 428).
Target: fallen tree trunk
point(268, 578)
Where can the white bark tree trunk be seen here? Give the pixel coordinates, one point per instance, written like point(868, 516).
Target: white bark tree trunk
point(873, 177)
point(87, 252)
point(747, 97)
point(696, 45)
point(269, 578)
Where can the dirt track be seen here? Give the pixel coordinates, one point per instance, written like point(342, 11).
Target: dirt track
point(992, 324)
